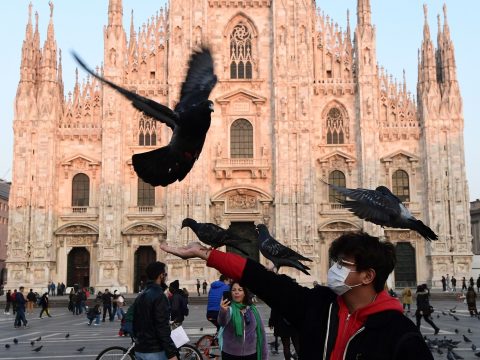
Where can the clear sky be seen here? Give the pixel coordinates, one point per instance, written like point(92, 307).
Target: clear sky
point(79, 26)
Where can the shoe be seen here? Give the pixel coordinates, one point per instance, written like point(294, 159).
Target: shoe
point(96, 324)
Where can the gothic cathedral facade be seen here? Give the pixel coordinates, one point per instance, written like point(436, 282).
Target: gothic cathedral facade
point(298, 101)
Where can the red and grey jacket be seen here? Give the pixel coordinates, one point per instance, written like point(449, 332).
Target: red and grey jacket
point(384, 332)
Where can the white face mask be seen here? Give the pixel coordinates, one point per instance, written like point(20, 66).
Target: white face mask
point(336, 279)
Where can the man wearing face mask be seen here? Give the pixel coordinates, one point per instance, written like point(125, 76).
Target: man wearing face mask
point(351, 318)
point(151, 316)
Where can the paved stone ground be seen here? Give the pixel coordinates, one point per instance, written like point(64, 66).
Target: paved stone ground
point(56, 346)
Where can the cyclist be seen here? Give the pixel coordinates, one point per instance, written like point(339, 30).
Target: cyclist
point(151, 318)
point(215, 297)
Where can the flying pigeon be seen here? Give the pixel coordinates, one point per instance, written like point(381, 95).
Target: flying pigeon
point(279, 254)
point(214, 235)
point(381, 207)
point(466, 339)
point(189, 121)
point(38, 348)
point(81, 349)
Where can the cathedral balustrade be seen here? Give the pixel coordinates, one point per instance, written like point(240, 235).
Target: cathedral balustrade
point(257, 167)
point(145, 212)
point(79, 213)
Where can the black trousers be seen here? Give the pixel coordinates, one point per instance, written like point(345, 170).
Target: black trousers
point(427, 319)
point(226, 356)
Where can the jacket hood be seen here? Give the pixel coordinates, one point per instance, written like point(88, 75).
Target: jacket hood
point(217, 284)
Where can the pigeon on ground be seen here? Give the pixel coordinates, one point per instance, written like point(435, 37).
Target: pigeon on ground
point(453, 309)
point(38, 339)
point(381, 207)
point(67, 336)
point(455, 355)
point(469, 331)
point(474, 347)
point(38, 348)
point(444, 313)
point(81, 349)
point(201, 329)
point(7, 346)
point(456, 318)
point(279, 254)
point(214, 235)
point(456, 331)
point(15, 341)
point(477, 354)
point(438, 316)
point(189, 121)
point(466, 339)
point(32, 342)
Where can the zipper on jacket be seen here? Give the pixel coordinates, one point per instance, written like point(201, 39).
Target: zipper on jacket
point(348, 343)
point(328, 331)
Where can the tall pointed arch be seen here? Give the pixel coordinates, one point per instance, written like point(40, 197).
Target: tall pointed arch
point(336, 124)
point(241, 35)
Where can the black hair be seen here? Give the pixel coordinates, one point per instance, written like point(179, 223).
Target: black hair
point(369, 253)
point(223, 277)
point(247, 300)
point(154, 269)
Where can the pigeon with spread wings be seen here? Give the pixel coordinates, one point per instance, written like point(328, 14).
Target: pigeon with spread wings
point(189, 121)
point(382, 207)
point(279, 254)
point(214, 235)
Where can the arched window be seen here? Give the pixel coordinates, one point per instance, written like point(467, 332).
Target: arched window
point(241, 139)
point(335, 130)
point(400, 186)
point(336, 178)
point(241, 52)
point(80, 190)
point(147, 132)
point(145, 194)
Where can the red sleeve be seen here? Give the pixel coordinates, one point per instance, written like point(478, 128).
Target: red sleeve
point(228, 264)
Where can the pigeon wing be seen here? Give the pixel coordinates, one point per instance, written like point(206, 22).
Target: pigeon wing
point(280, 251)
point(149, 107)
point(370, 205)
point(199, 82)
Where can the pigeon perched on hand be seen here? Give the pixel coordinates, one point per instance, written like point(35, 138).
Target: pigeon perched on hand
point(189, 121)
point(381, 207)
point(279, 254)
point(214, 235)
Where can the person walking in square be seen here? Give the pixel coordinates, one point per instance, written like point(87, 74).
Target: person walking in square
point(20, 302)
point(471, 298)
point(478, 284)
point(44, 305)
point(444, 284)
point(407, 298)
point(8, 302)
point(204, 287)
point(31, 299)
point(107, 305)
point(448, 282)
point(424, 309)
point(198, 287)
point(471, 282)
point(454, 284)
point(464, 284)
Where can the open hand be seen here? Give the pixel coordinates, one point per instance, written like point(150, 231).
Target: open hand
point(192, 250)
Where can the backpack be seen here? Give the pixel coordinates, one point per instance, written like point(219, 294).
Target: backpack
point(185, 309)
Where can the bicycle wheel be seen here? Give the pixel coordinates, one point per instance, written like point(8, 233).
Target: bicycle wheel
point(204, 343)
point(115, 353)
point(189, 352)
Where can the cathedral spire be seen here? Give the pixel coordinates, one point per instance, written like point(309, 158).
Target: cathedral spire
point(49, 55)
point(364, 13)
point(115, 13)
point(348, 25)
point(27, 63)
point(427, 60)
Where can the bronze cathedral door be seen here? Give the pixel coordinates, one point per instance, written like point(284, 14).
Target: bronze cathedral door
point(78, 270)
point(143, 256)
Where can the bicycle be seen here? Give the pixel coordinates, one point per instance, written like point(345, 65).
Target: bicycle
point(186, 352)
point(208, 346)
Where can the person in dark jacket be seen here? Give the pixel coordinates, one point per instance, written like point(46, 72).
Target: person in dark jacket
point(423, 308)
point(44, 305)
point(285, 331)
point(94, 314)
point(31, 299)
point(20, 302)
point(471, 299)
point(151, 315)
point(8, 302)
point(351, 318)
point(107, 305)
point(177, 303)
point(215, 297)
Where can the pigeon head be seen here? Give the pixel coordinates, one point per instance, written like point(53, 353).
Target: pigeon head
point(383, 190)
point(262, 231)
point(187, 222)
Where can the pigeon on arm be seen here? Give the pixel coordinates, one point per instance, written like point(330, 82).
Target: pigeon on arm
point(189, 121)
point(279, 254)
point(214, 235)
point(382, 207)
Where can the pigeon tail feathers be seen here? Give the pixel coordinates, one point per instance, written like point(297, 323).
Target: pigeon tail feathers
point(423, 230)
